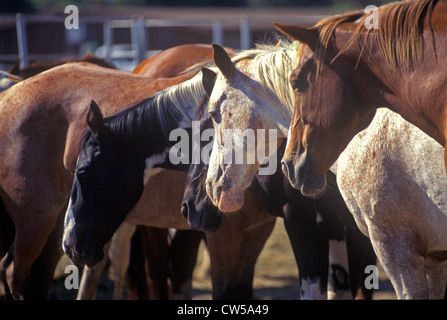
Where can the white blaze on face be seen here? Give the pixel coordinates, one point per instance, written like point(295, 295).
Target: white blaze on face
point(68, 224)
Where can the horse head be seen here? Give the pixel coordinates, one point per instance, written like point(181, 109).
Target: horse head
point(328, 110)
point(197, 208)
point(238, 106)
point(108, 182)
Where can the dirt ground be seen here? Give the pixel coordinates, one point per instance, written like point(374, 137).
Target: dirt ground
point(275, 275)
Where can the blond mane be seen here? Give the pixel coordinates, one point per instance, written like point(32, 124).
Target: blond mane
point(274, 65)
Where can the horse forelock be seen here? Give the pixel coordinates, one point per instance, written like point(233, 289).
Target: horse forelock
point(399, 36)
point(273, 66)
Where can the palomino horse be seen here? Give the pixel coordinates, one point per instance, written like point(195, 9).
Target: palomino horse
point(404, 212)
point(40, 143)
point(250, 93)
point(347, 71)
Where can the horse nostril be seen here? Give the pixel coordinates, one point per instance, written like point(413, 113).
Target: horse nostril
point(185, 210)
point(284, 168)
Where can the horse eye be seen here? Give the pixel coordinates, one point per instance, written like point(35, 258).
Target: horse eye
point(83, 175)
point(299, 85)
point(294, 83)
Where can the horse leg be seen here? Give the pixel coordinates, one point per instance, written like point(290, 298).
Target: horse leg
point(136, 277)
point(310, 247)
point(235, 247)
point(403, 265)
point(437, 281)
point(338, 274)
point(183, 254)
point(42, 272)
point(224, 247)
point(119, 253)
point(360, 255)
point(30, 239)
point(254, 238)
point(90, 278)
point(7, 234)
point(152, 244)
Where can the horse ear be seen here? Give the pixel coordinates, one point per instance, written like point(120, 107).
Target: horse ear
point(208, 79)
point(95, 120)
point(305, 35)
point(223, 60)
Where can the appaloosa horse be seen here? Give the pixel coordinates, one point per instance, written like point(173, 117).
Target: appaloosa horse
point(393, 182)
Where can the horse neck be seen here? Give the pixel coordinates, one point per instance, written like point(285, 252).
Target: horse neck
point(398, 66)
point(147, 125)
point(413, 91)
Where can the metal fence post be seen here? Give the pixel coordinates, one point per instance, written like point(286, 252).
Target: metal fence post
point(244, 27)
point(138, 40)
point(108, 38)
point(21, 40)
point(217, 32)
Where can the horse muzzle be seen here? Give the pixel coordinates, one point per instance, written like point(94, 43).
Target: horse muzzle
point(205, 219)
point(80, 255)
point(301, 173)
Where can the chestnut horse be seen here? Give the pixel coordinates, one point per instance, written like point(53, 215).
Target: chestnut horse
point(192, 57)
point(41, 66)
point(43, 120)
point(347, 71)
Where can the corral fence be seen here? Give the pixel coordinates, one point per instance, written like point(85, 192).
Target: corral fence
point(27, 38)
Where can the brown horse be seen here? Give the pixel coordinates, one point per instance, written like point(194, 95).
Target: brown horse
point(347, 71)
point(192, 58)
point(42, 121)
point(41, 66)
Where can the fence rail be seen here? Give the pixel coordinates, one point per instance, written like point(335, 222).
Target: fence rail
point(138, 27)
point(139, 33)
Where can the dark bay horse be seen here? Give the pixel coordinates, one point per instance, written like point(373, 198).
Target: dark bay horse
point(347, 71)
point(40, 143)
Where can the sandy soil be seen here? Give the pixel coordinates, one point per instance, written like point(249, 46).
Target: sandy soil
point(275, 275)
